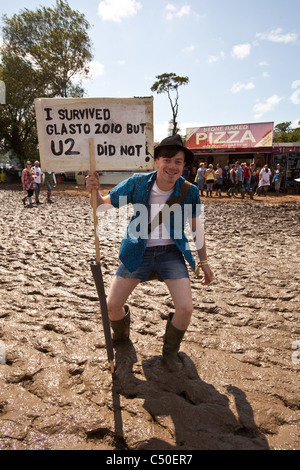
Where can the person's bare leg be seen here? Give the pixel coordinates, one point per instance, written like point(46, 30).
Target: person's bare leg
point(180, 290)
point(119, 292)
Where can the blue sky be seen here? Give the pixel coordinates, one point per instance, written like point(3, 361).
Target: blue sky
point(242, 58)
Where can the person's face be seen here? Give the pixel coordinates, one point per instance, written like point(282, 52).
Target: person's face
point(169, 169)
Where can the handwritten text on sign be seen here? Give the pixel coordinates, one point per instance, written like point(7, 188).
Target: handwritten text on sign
point(122, 129)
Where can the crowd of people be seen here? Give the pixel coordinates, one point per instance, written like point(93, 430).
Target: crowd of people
point(32, 179)
point(233, 179)
point(237, 178)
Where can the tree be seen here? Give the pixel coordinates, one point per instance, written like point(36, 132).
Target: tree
point(54, 41)
point(17, 118)
point(169, 83)
point(284, 133)
point(43, 51)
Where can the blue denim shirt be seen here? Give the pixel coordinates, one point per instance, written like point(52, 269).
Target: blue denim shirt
point(136, 190)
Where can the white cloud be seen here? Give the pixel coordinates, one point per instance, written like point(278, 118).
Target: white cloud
point(161, 131)
point(276, 35)
point(117, 10)
point(212, 59)
point(96, 70)
point(171, 11)
point(237, 87)
point(295, 123)
point(269, 105)
point(295, 97)
point(266, 75)
point(263, 64)
point(190, 48)
point(241, 51)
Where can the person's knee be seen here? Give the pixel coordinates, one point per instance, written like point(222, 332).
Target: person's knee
point(183, 314)
point(114, 307)
point(187, 311)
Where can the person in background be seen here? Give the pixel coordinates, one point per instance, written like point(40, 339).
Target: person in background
point(246, 179)
point(264, 180)
point(201, 177)
point(50, 182)
point(239, 174)
point(38, 180)
point(219, 180)
point(210, 179)
point(277, 178)
point(233, 181)
point(225, 172)
point(27, 178)
point(253, 179)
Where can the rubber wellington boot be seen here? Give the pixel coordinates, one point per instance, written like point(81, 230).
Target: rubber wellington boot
point(121, 328)
point(172, 340)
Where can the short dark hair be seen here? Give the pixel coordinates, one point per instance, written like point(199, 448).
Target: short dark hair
point(168, 151)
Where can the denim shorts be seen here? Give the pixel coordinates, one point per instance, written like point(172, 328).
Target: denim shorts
point(161, 262)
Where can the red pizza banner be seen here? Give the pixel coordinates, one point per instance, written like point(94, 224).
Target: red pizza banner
point(231, 136)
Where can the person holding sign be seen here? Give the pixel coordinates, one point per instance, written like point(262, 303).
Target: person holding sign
point(155, 244)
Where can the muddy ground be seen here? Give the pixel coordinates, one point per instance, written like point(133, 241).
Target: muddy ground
point(239, 388)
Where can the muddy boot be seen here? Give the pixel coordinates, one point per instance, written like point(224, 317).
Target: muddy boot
point(24, 200)
point(243, 194)
point(251, 194)
point(121, 327)
point(172, 340)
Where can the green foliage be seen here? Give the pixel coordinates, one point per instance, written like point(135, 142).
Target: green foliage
point(169, 83)
point(17, 118)
point(42, 54)
point(284, 133)
point(54, 41)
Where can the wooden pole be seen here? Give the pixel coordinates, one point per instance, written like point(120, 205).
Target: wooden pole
point(96, 269)
point(94, 199)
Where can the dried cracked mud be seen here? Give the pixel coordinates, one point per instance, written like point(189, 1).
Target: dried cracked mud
point(239, 387)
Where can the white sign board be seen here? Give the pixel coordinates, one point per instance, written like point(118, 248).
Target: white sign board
point(122, 129)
